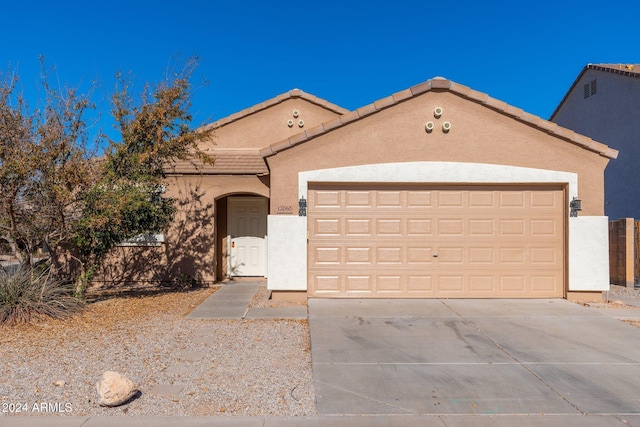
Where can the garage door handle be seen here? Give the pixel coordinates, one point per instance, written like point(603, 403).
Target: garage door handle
point(435, 255)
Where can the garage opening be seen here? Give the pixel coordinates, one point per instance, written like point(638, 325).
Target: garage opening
point(436, 241)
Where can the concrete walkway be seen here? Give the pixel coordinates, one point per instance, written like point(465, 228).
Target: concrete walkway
point(231, 302)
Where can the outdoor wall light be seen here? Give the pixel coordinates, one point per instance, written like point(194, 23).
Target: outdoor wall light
point(302, 206)
point(296, 113)
point(446, 127)
point(300, 123)
point(437, 112)
point(576, 206)
point(290, 123)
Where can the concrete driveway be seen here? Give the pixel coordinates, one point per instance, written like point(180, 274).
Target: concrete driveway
point(470, 357)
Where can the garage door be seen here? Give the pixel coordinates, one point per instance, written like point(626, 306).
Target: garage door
point(409, 241)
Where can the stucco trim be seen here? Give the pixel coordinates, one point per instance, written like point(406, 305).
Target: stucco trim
point(587, 247)
point(442, 84)
point(438, 173)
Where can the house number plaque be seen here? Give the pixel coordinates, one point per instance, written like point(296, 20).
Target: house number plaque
point(284, 209)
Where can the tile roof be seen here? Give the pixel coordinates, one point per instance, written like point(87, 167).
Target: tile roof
point(228, 162)
point(441, 84)
point(244, 162)
point(629, 70)
point(632, 70)
point(294, 93)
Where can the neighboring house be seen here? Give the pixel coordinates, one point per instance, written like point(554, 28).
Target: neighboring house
point(604, 103)
point(435, 191)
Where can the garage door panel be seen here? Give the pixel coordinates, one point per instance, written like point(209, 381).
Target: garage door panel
point(510, 199)
point(481, 227)
point(513, 283)
point(512, 227)
point(482, 199)
point(451, 199)
point(483, 255)
point(327, 284)
point(326, 255)
point(512, 256)
point(358, 199)
point(389, 199)
point(419, 199)
point(543, 199)
point(541, 257)
point(420, 255)
point(389, 227)
point(479, 283)
point(419, 227)
point(543, 283)
point(389, 284)
point(436, 242)
point(358, 226)
point(326, 199)
point(451, 227)
point(326, 227)
point(390, 255)
point(356, 255)
point(419, 284)
point(359, 283)
point(544, 227)
point(451, 255)
point(451, 283)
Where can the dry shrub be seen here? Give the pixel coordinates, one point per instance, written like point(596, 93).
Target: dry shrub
point(29, 294)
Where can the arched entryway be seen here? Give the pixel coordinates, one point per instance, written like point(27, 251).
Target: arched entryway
point(241, 241)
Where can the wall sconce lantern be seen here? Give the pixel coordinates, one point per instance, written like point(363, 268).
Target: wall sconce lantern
point(302, 206)
point(576, 206)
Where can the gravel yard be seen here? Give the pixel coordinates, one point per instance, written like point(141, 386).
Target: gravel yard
point(181, 366)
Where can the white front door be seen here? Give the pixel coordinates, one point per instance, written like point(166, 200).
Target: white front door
point(247, 218)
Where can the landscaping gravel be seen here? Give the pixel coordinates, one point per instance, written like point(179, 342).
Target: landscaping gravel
point(623, 292)
point(181, 366)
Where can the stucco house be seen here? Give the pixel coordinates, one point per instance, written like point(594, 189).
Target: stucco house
point(604, 103)
point(437, 191)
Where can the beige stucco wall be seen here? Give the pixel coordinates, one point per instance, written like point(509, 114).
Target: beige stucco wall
point(258, 130)
point(478, 135)
point(191, 242)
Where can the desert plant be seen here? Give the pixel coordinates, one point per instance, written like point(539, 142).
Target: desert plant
point(29, 294)
point(185, 282)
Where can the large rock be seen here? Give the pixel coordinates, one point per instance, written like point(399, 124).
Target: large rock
point(114, 389)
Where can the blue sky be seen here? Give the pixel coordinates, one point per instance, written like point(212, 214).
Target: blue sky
point(350, 53)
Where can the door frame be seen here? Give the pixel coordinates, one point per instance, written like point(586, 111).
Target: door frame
point(264, 202)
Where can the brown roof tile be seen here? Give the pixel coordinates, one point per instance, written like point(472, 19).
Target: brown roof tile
point(625, 69)
point(440, 83)
point(402, 95)
point(225, 163)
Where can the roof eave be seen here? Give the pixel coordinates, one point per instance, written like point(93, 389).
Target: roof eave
point(441, 84)
point(292, 94)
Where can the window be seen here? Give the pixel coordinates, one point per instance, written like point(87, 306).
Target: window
point(145, 240)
